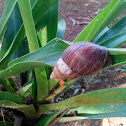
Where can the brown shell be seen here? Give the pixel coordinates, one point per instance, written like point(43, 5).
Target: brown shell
point(83, 59)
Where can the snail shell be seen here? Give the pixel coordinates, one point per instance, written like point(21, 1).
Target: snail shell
point(81, 59)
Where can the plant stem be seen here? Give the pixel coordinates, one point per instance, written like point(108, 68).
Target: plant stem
point(116, 51)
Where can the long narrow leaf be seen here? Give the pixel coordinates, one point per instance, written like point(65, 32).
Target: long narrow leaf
point(52, 83)
point(41, 7)
point(105, 115)
point(7, 85)
point(40, 74)
point(116, 29)
point(21, 67)
point(18, 39)
point(6, 14)
point(118, 55)
point(47, 119)
point(25, 90)
point(119, 58)
point(50, 31)
point(26, 13)
point(11, 97)
point(115, 41)
point(99, 97)
point(13, 26)
point(98, 109)
point(50, 23)
point(26, 109)
point(42, 84)
point(61, 28)
point(100, 34)
point(93, 116)
point(102, 20)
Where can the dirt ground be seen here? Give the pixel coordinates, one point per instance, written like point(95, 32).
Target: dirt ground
point(77, 14)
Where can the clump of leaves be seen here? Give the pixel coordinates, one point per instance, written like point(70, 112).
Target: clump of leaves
point(32, 42)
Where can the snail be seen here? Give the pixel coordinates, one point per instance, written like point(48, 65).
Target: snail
point(81, 59)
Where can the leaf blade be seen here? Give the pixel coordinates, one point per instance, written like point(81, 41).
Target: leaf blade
point(93, 98)
point(116, 29)
point(11, 97)
point(6, 14)
point(26, 109)
point(101, 20)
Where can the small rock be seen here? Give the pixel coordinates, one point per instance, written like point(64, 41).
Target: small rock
point(86, 5)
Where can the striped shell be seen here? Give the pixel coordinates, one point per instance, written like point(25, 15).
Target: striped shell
point(81, 59)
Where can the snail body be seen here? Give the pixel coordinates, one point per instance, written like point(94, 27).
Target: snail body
point(81, 59)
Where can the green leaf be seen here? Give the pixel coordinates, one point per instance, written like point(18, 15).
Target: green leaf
point(26, 109)
point(94, 116)
point(45, 35)
point(42, 35)
point(32, 2)
point(40, 8)
point(102, 20)
point(18, 39)
point(12, 82)
point(73, 118)
point(23, 48)
point(42, 84)
point(7, 85)
point(34, 88)
point(105, 115)
point(25, 9)
point(99, 109)
point(52, 83)
point(117, 51)
point(40, 74)
point(52, 21)
point(13, 26)
point(26, 90)
point(118, 55)
point(51, 53)
point(48, 118)
point(115, 30)
point(108, 97)
point(11, 97)
point(20, 67)
point(2, 123)
point(49, 24)
point(6, 14)
point(100, 34)
point(119, 58)
point(115, 41)
point(61, 28)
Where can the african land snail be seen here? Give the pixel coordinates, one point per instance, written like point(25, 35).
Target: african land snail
point(81, 59)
